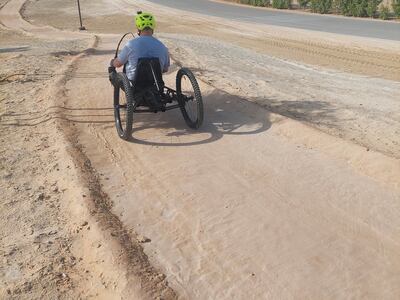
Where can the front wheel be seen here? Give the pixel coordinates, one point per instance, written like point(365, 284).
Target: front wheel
point(189, 97)
point(124, 105)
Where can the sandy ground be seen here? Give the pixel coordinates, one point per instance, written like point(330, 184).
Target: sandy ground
point(335, 102)
point(290, 190)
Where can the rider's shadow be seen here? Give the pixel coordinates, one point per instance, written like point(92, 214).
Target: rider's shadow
point(224, 114)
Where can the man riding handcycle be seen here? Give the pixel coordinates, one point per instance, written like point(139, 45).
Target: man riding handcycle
point(140, 87)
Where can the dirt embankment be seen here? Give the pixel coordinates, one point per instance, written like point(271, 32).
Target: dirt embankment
point(36, 233)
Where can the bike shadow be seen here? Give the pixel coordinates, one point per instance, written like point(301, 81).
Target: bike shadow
point(224, 114)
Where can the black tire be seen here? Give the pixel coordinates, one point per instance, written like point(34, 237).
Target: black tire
point(124, 103)
point(189, 98)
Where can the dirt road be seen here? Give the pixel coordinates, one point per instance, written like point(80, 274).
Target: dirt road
point(238, 204)
point(258, 203)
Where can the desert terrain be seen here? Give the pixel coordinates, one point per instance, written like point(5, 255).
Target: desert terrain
point(290, 189)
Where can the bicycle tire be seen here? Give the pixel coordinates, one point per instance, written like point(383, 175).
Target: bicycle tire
point(196, 122)
point(124, 127)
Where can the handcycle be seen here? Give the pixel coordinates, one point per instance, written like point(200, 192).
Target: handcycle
point(147, 93)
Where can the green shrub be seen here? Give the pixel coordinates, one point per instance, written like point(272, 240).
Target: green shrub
point(359, 8)
point(321, 6)
point(372, 7)
point(396, 7)
point(325, 6)
point(335, 6)
point(255, 2)
point(343, 7)
point(384, 14)
point(304, 3)
point(314, 5)
point(281, 4)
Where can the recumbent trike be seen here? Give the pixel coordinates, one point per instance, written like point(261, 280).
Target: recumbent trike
point(147, 93)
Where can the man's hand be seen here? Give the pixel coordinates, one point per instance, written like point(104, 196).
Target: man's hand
point(112, 72)
point(116, 63)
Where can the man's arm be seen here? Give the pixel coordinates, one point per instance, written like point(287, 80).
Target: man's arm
point(122, 57)
point(167, 63)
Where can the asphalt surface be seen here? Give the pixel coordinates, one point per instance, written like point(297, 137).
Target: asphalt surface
point(331, 24)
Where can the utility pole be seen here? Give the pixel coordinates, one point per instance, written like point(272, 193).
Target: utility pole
point(80, 17)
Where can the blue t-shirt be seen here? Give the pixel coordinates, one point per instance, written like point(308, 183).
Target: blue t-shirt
point(143, 47)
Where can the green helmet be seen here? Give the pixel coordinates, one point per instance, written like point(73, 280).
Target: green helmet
point(144, 20)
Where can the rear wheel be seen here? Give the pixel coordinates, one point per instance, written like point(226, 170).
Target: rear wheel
point(189, 97)
point(124, 105)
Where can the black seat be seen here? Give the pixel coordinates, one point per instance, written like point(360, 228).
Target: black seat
point(148, 75)
point(148, 84)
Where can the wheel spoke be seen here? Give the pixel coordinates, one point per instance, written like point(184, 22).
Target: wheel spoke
point(190, 100)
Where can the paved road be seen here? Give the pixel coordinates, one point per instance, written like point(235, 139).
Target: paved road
point(332, 24)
